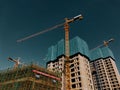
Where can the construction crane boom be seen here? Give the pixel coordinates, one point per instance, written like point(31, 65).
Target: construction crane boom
point(17, 62)
point(9, 58)
point(41, 32)
point(66, 27)
point(50, 29)
point(105, 43)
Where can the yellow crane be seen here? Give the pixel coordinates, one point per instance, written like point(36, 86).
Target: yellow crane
point(66, 27)
point(67, 51)
point(105, 43)
point(16, 61)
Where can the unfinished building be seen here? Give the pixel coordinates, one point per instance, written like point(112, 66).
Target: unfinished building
point(89, 69)
point(104, 71)
point(30, 77)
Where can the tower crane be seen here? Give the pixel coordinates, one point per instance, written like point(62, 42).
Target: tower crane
point(17, 62)
point(105, 43)
point(66, 27)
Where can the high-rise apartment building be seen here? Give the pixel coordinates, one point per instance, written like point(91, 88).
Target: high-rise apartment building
point(58, 66)
point(104, 70)
point(105, 74)
point(89, 70)
point(80, 80)
point(80, 73)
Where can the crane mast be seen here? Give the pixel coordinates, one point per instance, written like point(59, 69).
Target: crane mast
point(67, 49)
point(67, 70)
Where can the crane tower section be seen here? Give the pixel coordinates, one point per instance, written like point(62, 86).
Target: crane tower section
point(67, 51)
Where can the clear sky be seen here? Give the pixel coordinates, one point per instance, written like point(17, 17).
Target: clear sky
point(20, 18)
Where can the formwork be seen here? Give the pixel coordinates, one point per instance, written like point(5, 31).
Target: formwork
point(30, 77)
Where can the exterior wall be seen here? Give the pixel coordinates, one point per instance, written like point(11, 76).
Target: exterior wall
point(80, 73)
point(58, 66)
point(105, 74)
point(81, 78)
point(95, 76)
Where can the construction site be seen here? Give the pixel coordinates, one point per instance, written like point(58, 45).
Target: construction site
point(27, 78)
point(30, 77)
point(70, 66)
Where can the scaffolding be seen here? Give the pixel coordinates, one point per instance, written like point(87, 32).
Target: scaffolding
point(30, 77)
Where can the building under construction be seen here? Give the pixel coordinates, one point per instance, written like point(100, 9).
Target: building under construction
point(89, 69)
point(30, 77)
